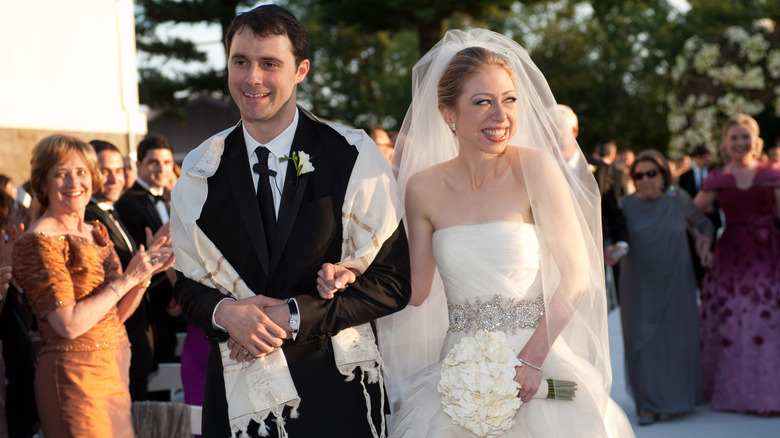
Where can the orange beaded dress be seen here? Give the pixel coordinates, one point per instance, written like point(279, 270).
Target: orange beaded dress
point(81, 385)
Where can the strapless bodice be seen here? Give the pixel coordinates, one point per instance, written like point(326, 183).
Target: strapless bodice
point(480, 261)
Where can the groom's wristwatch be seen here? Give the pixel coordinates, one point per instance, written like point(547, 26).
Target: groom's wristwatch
point(295, 317)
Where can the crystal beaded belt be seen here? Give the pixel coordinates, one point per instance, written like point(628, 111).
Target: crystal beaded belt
point(497, 314)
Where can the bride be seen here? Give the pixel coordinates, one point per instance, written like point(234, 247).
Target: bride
point(503, 236)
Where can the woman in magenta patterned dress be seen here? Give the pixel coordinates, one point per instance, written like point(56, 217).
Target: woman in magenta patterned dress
point(740, 294)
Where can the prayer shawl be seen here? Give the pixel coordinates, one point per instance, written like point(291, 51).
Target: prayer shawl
point(371, 213)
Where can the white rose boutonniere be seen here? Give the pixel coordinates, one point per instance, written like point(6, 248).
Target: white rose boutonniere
point(477, 385)
point(301, 161)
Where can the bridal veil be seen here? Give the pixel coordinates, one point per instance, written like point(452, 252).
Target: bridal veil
point(565, 203)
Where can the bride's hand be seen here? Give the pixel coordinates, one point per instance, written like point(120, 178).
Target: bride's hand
point(333, 278)
point(529, 380)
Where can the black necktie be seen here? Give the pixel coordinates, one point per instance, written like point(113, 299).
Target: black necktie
point(264, 195)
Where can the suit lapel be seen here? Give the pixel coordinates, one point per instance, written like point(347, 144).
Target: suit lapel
point(240, 183)
point(294, 188)
point(149, 211)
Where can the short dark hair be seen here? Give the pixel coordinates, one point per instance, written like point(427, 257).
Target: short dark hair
point(605, 146)
point(152, 141)
point(102, 145)
point(271, 20)
point(701, 151)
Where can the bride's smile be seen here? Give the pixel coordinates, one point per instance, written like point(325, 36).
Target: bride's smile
point(486, 114)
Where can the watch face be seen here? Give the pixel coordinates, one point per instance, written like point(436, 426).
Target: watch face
point(295, 321)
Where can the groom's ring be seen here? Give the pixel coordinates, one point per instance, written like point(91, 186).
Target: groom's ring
point(321, 288)
point(154, 261)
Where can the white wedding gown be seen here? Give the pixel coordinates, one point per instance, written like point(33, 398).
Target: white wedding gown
point(476, 263)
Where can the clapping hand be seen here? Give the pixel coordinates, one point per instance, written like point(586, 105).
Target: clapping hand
point(146, 263)
point(160, 239)
point(333, 278)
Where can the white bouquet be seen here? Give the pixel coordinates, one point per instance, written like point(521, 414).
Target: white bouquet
point(477, 385)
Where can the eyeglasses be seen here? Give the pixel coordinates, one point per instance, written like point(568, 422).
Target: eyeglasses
point(639, 176)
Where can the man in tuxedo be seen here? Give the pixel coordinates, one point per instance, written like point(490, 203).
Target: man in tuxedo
point(143, 206)
point(101, 208)
point(253, 229)
point(691, 182)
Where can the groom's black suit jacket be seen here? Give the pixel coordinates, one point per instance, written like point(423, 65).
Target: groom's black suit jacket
point(308, 233)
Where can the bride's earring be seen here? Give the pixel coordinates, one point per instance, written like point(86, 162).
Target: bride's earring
point(452, 126)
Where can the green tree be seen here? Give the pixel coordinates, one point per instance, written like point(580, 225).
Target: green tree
point(171, 87)
point(608, 60)
point(363, 51)
point(709, 18)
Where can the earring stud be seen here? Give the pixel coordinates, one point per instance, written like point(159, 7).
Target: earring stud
point(453, 127)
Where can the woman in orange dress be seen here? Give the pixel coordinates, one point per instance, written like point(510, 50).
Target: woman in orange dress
point(71, 274)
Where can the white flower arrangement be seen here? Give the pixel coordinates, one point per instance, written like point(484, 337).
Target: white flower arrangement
point(773, 64)
point(477, 385)
point(715, 78)
point(706, 57)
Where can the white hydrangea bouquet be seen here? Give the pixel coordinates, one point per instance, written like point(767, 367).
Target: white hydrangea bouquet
point(477, 384)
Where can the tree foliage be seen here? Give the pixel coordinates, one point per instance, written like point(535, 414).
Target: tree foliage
point(164, 83)
point(611, 60)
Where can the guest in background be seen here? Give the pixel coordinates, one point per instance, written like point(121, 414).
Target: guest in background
point(101, 208)
point(611, 180)
point(5, 279)
point(690, 181)
point(8, 186)
point(130, 173)
point(382, 140)
point(773, 154)
point(740, 294)
point(16, 321)
point(144, 206)
point(658, 307)
point(626, 158)
point(79, 295)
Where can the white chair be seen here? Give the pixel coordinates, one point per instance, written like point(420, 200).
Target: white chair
point(166, 378)
point(153, 419)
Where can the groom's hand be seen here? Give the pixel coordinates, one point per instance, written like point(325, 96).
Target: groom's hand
point(248, 325)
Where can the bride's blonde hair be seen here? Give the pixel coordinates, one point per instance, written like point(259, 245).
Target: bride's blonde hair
point(465, 64)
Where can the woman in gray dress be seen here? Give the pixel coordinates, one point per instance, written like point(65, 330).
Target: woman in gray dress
point(658, 292)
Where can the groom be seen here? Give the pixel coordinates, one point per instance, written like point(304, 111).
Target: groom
point(252, 233)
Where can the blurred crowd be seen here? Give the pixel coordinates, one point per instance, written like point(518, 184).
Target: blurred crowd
point(691, 247)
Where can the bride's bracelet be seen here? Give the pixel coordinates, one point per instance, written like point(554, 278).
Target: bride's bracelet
point(529, 364)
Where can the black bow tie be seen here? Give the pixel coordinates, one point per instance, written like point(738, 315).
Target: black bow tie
point(157, 198)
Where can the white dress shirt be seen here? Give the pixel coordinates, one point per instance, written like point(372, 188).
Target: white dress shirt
point(277, 148)
point(159, 205)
